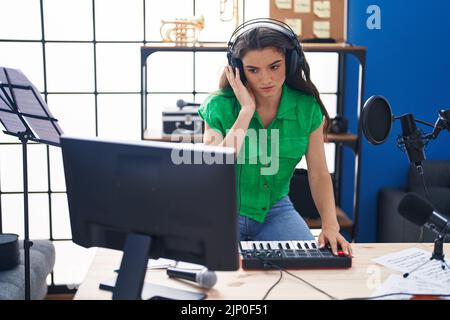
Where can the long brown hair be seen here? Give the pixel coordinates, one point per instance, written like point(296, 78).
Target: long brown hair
point(263, 37)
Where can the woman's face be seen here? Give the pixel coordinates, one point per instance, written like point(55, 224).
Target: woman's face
point(265, 71)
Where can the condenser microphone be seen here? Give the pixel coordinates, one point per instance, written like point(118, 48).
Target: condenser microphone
point(204, 278)
point(419, 211)
point(181, 104)
point(412, 140)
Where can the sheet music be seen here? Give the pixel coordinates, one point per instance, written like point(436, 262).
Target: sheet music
point(11, 122)
point(397, 284)
point(17, 77)
point(163, 263)
point(409, 259)
point(3, 76)
point(5, 97)
point(4, 104)
point(26, 102)
point(43, 129)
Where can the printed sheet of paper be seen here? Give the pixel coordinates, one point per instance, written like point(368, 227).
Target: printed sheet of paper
point(321, 29)
point(283, 4)
point(295, 24)
point(302, 6)
point(322, 9)
point(163, 263)
point(397, 284)
point(409, 259)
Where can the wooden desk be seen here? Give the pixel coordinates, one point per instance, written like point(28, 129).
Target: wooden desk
point(236, 285)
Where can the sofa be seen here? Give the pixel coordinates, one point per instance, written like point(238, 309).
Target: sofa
point(391, 226)
point(42, 261)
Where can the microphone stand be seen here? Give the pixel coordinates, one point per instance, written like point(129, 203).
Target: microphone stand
point(438, 254)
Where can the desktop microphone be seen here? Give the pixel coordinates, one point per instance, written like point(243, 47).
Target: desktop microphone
point(204, 278)
point(181, 104)
point(419, 211)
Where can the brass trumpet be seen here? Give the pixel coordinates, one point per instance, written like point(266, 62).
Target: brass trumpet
point(182, 31)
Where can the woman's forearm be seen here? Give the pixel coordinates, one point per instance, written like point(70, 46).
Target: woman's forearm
point(236, 135)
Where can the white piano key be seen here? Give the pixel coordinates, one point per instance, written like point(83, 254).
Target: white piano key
point(311, 243)
point(297, 245)
point(253, 245)
point(302, 245)
point(284, 243)
point(266, 245)
point(245, 245)
point(274, 245)
point(292, 245)
point(259, 245)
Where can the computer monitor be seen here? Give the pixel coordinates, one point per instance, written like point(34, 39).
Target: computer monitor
point(151, 200)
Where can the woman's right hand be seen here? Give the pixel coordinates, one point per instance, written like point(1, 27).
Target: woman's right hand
point(244, 94)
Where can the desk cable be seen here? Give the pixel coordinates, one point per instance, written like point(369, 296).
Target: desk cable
point(334, 298)
point(267, 262)
point(399, 294)
point(427, 195)
point(274, 285)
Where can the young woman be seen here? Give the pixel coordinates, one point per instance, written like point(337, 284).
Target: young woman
point(266, 92)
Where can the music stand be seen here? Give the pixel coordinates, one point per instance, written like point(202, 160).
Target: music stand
point(25, 115)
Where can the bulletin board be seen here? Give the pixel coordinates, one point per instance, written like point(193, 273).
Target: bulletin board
point(313, 19)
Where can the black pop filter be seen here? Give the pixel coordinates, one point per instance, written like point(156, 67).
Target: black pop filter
point(376, 119)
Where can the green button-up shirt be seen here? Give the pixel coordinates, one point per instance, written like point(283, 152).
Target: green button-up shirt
point(268, 157)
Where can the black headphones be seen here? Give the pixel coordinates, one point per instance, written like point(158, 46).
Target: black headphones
point(294, 57)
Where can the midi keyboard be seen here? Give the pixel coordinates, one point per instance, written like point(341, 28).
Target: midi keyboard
point(290, 254)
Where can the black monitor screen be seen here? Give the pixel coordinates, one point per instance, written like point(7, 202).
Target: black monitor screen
point(181, 195)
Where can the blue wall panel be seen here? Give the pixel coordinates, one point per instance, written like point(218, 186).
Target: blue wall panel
point(408, 62)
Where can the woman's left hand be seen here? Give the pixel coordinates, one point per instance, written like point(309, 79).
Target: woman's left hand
point(332, 236)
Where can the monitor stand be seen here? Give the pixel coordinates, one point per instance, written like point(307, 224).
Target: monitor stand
point(129, 284)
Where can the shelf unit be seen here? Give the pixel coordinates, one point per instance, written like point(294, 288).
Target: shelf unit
point(353, 141)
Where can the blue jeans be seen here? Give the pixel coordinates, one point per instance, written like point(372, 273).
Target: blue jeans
point(282, 223)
